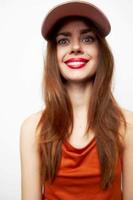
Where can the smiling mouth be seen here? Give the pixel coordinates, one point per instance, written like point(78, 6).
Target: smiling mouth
point(76, 63)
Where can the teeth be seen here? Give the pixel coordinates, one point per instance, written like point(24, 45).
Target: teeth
point(75, 63)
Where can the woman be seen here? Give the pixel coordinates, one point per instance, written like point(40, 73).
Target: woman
point(80, 145)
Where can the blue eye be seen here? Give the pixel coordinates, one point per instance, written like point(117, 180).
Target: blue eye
point(62, 41)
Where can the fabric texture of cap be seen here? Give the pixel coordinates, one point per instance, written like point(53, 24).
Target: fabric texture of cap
point(75, 8)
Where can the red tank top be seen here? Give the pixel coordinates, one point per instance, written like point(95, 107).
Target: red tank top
point(78, 177)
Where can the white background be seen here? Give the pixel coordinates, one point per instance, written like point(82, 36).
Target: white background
point(21, 63)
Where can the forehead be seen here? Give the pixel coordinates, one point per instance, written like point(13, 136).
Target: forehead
point(74, 24)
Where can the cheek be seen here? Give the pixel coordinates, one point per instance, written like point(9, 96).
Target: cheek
point(95, 57)
point(57, 53)
point(61, 52)
point(95, 54)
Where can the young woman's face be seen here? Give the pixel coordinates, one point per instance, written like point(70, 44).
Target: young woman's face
point(77, 51)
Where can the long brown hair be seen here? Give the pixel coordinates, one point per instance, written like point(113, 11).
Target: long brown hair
point(104, 115)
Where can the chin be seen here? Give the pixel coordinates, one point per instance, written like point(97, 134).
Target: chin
point(79, 79)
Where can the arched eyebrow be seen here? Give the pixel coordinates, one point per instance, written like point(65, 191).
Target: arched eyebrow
point(82, 31)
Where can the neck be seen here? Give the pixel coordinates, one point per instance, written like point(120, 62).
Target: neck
point(79, 94)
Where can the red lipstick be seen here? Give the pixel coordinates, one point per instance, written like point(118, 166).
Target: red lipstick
point(76, 63)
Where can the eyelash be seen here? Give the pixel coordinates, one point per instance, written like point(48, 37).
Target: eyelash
point(59, 42)
point(90, 37)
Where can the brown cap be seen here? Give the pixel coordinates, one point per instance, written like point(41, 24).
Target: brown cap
point(75, 8)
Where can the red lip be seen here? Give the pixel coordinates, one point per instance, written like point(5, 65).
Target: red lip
point(78, 66)
point(77, 60)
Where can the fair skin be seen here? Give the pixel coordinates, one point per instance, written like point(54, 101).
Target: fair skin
point(79, 90)
point(76, 40)
point(30, 160)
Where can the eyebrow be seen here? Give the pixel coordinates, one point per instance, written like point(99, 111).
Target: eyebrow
point(82, 31)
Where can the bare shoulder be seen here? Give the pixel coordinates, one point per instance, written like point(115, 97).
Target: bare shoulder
point(127, 175)
point(31, 121)
point(30, 158)
point(128, 116)
point(129, 120)
point(28, 128)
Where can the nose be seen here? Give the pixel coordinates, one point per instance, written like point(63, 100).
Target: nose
point(76, 47)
